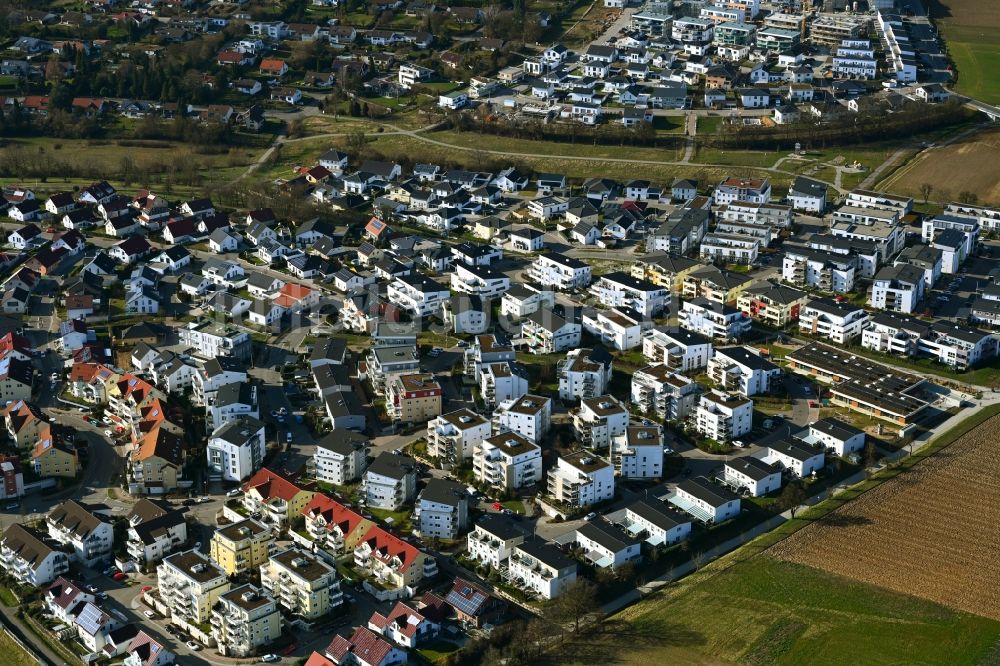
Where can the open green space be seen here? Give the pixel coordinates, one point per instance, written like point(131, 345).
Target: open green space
point(763, 611)
point(582, 148)
point(976, 52)
point(14, 654)
point(709, 124)
point(751, 158)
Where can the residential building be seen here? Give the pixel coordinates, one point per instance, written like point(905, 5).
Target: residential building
point(481, 281)
point(541, 568)
point(620, 329)
point(821, 270)
point(340, 457)
point(832, 434)
point(584, 373)
point(302, 584)
point(743, 370)
point(545, 332)
point(706, 501)
point(391, 561)
point(236, 449)
point(898, 288)
point(837, 322)
point(390, 481)
point(559, 271)
point(658, 391)
point(331, 526)
point(211, 339)
point(581, 479)
point(774, 304)
point(659, 525)
point(244, 621)
point(454, 435)
point(528, 415)
point(754, 190)
point(500, 382)
point(241, 547)
point(715, 284)
point(679, 351)
point(190, 585)
point(442, 510)
point(413, 398)
point(621, 290)
point(363, 648)
point(418, 295)
point(752, 476)
point(796, 456)
point(30, 557)
point(276, 498)
point(722, 417)
point(404, 625)
point(607, 546)
point(714, 320)
point(80, 530)
point(154, 531)
point(597, 421)
point(493, 539)
point(507, 461)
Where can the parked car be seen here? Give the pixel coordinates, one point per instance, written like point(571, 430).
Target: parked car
point(149, 614)
point(194, 647)
point(108, 433)
point(590, 516)
point(119, 576)
point(270, 658)
point(235, 492)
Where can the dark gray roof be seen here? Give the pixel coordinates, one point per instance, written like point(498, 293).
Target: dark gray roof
point(392, 465)
point(610, 536)
point(711, 493)
point(836, 428)
point(658, 514)
point(443, 491)
point(755, 468)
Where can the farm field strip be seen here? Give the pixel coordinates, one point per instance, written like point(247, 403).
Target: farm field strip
point(930, 531)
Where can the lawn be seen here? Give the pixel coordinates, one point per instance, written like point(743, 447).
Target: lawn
point(14, 654)
point(7, 597)
point(762, 611)
point(437, 650)
point(751, 158)
point(400, 519)
point(709, 124)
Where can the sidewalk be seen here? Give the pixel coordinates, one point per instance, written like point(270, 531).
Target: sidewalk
point(40, 650)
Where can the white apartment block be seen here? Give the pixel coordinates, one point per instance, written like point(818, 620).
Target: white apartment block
point(730, 248)
point(418, 295)
point(706, 501)
point(584, 373)
point(500, 382)
point(210, 339)
point(492, 540)
point(662, 526)
point(618, 329)
point(760, 214)
point(485, 349)
point(79, 529)
point(821, 270)
point(969, 226)
point(598, 420)
point(607, 545)
point(714, 320)
point(837, 322)
point(479, 281)
point(541, 568)
point(752, 190)
point(442, 510)
point(390, 481)
point(559, 271)
point(522, 300)
point(30, 557)
point(340, 457)
point(898, 288)
point(743, 370)
point(679, 351)
point(581, 479)
point(637, 453)
point(507, 461)
point(833, 434)
point(658, 391)
point(796, 456)
point(754, 475)
point(236, 449)
point(454, 436)
point(722, 417)
point(621, 290)
point(545, 332)
point(154, 531)
point(528, 415)
point(879, 200)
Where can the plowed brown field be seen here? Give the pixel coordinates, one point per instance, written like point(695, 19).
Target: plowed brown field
point(933, 531)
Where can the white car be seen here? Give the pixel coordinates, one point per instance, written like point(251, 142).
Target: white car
point(108, 433)
point(270, 658)
point(738, 444)
point(149, 614)
point(194, 647)
point(235, 492)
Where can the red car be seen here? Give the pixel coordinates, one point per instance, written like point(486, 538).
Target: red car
point(497, 506)
point(290, 649)
point(119, 576)
point(51, 230)
point(813, 403)
point(146, 588)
